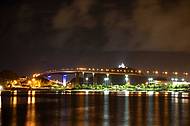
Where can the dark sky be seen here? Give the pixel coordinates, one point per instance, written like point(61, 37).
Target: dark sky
point(37, 35)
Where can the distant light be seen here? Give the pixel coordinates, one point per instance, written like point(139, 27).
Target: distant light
point(81, 68)
point(186, 73)
point(183, 79)
point(122, 65)
point(172, 79)
point(107, 75)
point(126, 78)
point(156, 72)
point(106, 92)
point(29, 82)
point(1, 87)
point(49, 77)
point(15, 82)
point(176, 73)
point(150, 79)
point(176, 79)
point(36, 75)
point(106, 79)
point(86, 78)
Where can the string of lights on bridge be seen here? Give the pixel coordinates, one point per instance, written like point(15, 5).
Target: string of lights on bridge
point(120, 71)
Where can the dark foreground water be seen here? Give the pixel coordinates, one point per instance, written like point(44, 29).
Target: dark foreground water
point(93, 110)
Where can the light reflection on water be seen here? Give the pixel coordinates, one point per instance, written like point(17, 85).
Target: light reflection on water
point(106, 111)
point(32, 109)
point(31, 113)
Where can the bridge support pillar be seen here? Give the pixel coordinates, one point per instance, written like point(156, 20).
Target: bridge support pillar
point(83, 77)
point(64, 79)
point(49, 77)
point(77, 78)
point(93, 78)
point(106, 79)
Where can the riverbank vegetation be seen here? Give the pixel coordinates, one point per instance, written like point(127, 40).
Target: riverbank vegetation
point(138, 87)
point(38, 84)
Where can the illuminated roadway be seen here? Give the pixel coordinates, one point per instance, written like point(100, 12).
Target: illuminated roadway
point(114, 71)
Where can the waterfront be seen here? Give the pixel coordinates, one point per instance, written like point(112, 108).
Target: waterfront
point(82, 109)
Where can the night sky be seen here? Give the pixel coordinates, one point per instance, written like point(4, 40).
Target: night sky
point(37, 35)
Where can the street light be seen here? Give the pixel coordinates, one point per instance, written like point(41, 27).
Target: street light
point(126, 78)
point(33, 79)
point(156, 72)
point(150, 79)
point(176, 79)
point(87, 79)
point(106, 79)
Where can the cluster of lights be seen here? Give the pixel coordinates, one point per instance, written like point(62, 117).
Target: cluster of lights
point(185, 73)
point(14, 82)
point(122, 65)
point(165, 72)
point(33, 82)
point(150, 79)
point(36, 75)
point(176, 79)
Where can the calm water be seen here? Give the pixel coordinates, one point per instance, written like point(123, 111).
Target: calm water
point(93, 110)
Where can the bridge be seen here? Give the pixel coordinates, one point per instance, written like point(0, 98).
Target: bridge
point(110, 75)
point(116, 71)
point(93, 75)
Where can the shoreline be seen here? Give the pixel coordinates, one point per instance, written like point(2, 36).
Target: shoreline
point(40, 92)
